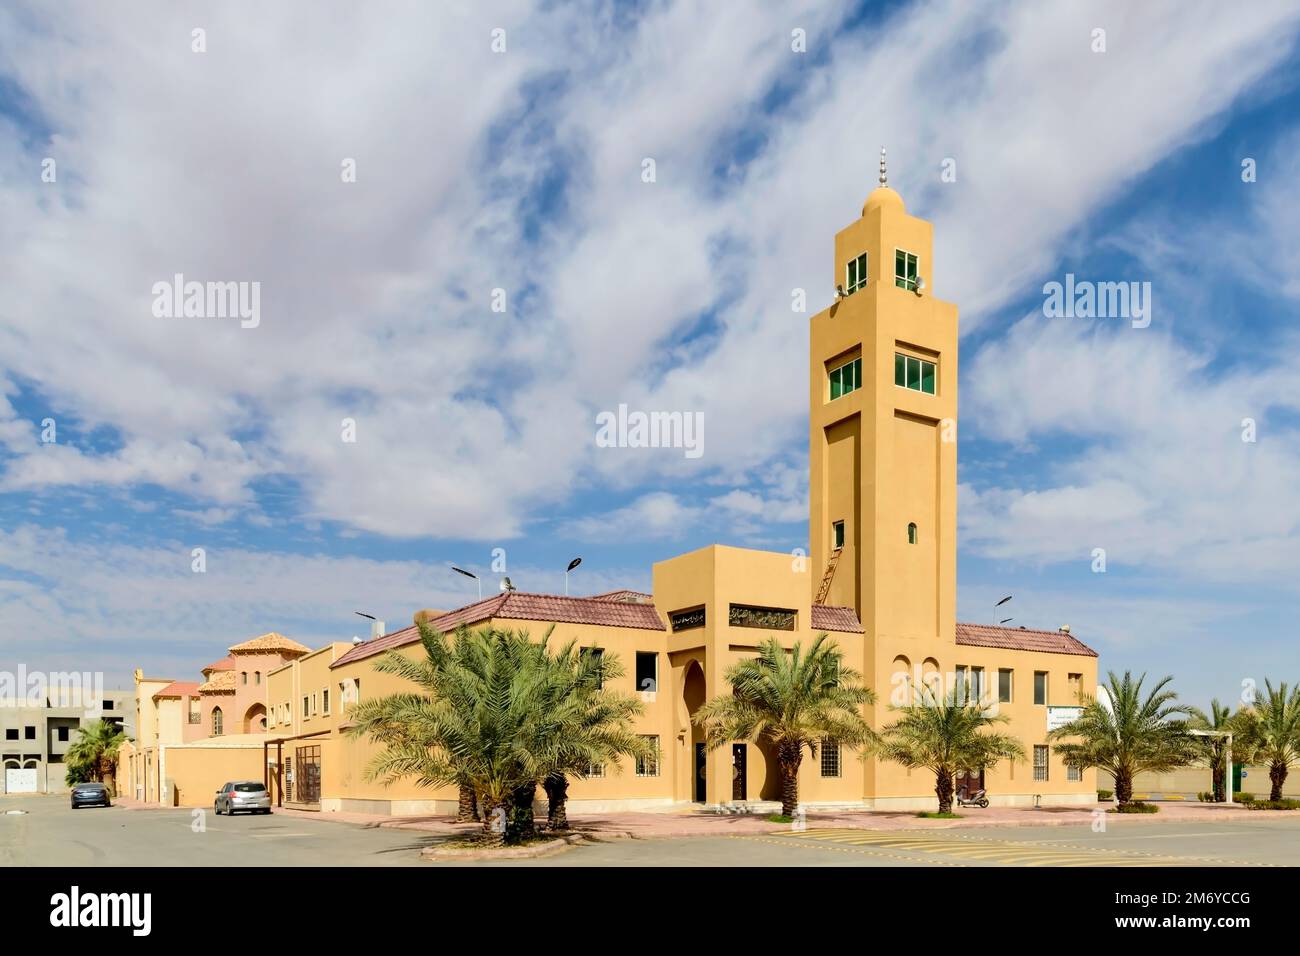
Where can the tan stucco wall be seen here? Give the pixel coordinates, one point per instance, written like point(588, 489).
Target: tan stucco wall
point(198, 772)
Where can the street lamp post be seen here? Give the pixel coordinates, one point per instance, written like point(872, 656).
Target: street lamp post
point(470, 574)
point(572, 564)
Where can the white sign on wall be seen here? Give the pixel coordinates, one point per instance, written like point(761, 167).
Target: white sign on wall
point(1060, 716)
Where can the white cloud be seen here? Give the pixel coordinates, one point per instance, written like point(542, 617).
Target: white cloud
point(375, 294)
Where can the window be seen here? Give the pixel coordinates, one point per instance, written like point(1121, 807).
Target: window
point(904, 270)
point(1076, 687)
point(1004, 685)
point(911, 533)
point(977, 683)
point(11, 733)
point(216, 721)
point(597, 657)
point(1040, 761)
point(1040, 687)
point(313, 704)
point(109, 705)
point(830, 758)
point(648, 766)
point(325, 701)
point(29, 733)
point(914, 373)
point(855, 273)
point(306, 711)
point(595, 770)
point(196, 716)
point(243, 677)
point(837, 535)
point(647, 671)
point(1074, 774)
point(847, 378)
point(63, 733)
point(257, 677)
point(960, 683)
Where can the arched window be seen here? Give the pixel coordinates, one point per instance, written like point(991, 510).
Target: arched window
point(216, 721)
point(243, 677)
point(257, 677)
point(911, 533)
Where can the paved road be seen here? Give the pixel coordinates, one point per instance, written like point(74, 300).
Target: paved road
point(51, 834)
point(1266, 843)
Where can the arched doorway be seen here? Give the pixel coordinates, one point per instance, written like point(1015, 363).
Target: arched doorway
point(255, 719)
point(693, 696)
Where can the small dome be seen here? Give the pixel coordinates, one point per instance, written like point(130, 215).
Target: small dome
point(883, 197)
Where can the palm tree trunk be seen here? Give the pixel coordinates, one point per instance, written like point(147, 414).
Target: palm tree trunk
point(1277, 776)
point(467, 810)
point(494, 820)
point(943, 789)
point(1220, 773)
point(788, 757)
point(1123, 787)
point(519, 815)
point(557, 797)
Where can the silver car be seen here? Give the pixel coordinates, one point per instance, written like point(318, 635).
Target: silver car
point(237, 795)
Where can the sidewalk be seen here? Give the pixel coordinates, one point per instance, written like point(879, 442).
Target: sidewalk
point(664, 825)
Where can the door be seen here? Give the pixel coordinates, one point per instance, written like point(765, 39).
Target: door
point(970, 780)
point(739, 776)
point(308, 775)
point(20, 781)
point(701, 774)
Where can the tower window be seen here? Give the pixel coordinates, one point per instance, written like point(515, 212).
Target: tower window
point(855, 273)
point(914, 373)
point(847, 378)
point(911, 533)
point(904, 270)
point(837, 535)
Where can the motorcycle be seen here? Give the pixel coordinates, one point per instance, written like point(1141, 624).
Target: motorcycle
point(977, 799)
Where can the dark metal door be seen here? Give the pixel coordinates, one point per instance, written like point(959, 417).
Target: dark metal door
point(308, 770)
point(738, 771)
point(701, 773)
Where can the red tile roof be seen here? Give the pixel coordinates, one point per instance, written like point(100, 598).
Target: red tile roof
point(1022, 639)
point(835, 619)
point(226, 663)
point(520, 606)
point(178, 688)
point(625, 595)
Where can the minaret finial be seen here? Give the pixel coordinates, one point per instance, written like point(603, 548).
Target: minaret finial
point(884, 180)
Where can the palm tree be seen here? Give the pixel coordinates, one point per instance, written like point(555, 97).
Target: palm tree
point(1131, 735)
point(497, 713)
point(93, 754)
point(793, 701)
point(1272, 733)
point(947, 735)
point(1218, 719)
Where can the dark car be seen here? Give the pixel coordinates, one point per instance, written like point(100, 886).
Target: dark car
point(249, 795)
point(90, 795)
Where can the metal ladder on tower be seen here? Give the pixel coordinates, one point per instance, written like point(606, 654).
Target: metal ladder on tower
point(829, 576)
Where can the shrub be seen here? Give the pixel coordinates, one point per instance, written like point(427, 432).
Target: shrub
point(1104, 795)
point(935, 815)
point(1245, 798)
point(1136, 807)
point(1205, 797)
point(1287, 804)
point(779, 818)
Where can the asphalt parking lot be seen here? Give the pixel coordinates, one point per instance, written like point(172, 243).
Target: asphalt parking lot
point(48, 833)
point(51, 834)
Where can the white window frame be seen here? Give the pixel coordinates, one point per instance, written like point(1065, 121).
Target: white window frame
point(905, 252)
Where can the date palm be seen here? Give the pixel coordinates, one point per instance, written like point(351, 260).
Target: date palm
point(947, 734)
point(497, 713)
point(1133, 734)
point(792, 700)
point(1271, 733)
point(93, 754)
point(1218, 718)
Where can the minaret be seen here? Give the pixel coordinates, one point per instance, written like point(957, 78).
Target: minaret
point(882, 436)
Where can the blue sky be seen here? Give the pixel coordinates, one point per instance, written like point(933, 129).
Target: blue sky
point(522, 170)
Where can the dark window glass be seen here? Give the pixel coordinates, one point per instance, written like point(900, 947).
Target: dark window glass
point(927, 377)
point(900, 369)
point(1040, 687)
point(647, 671)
